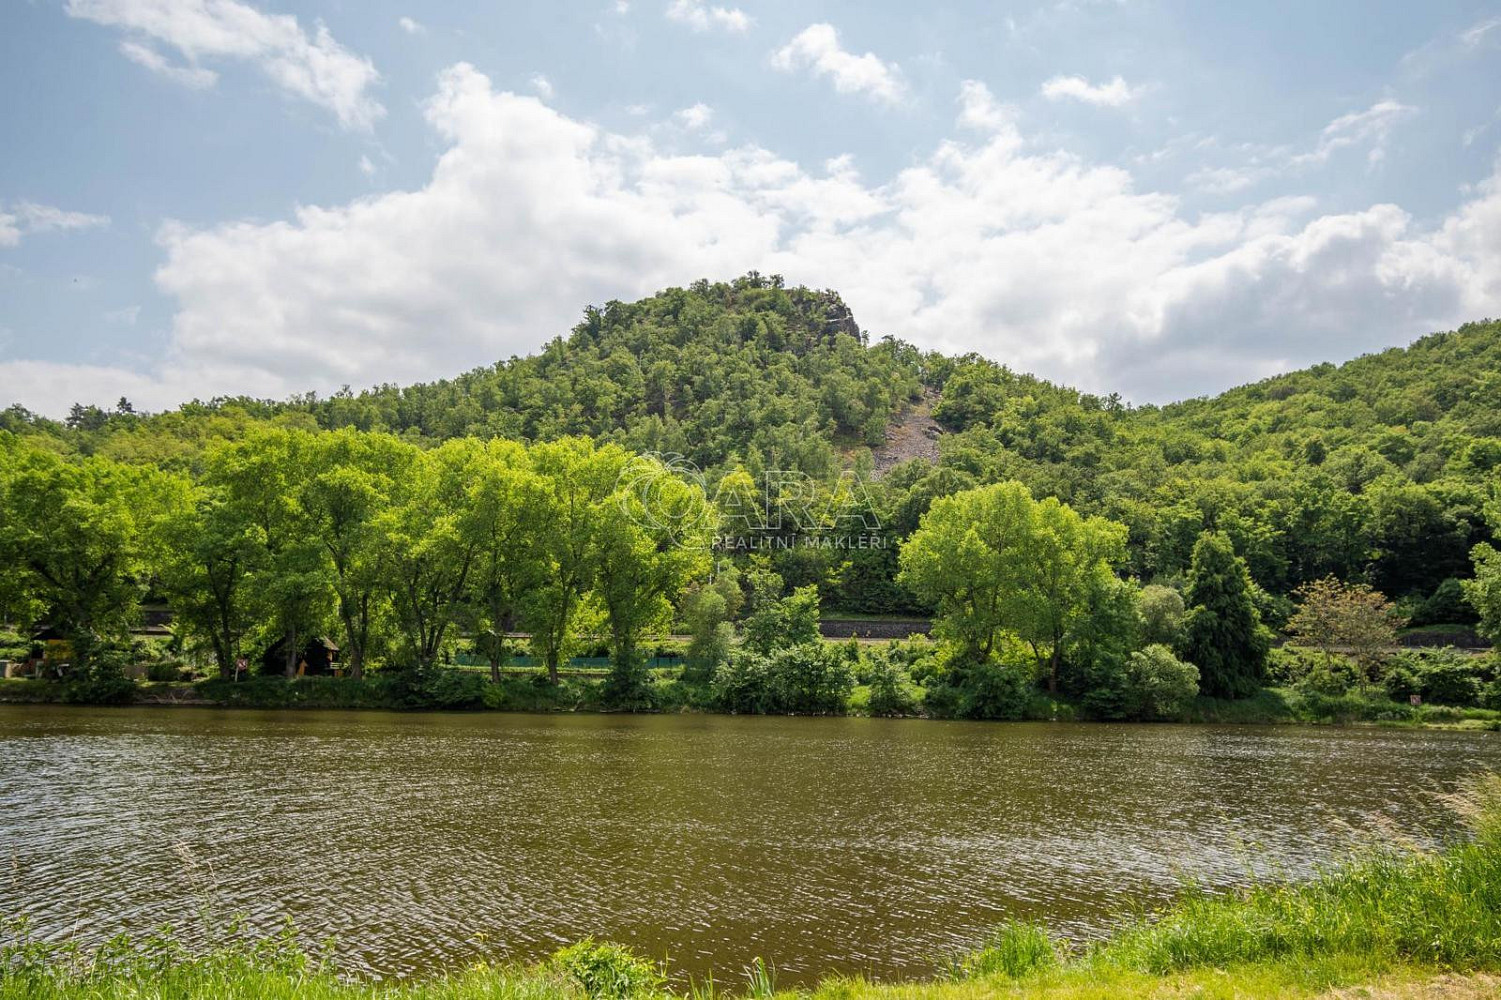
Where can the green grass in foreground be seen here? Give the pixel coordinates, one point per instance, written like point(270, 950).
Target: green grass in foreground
point(1390, 917)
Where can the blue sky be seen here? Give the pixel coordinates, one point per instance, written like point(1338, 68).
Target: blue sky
point(1159, 198)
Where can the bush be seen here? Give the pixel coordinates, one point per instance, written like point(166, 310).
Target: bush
point(890, 687)
point(608, 971)
point(1445, 606)
point(742, 686)
point(1445, 676)
point(165, 670)
point(813, 678)
point(1158, 684)
point(1151, 685)
point(1330, 677)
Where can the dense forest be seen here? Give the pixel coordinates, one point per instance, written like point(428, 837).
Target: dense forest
point(1376, 473)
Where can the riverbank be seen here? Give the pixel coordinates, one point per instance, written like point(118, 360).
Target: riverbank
point(1395, 921)
point(584, 691)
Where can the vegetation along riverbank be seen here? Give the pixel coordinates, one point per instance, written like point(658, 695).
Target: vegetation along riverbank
point(714, 462)
point(1396, 921)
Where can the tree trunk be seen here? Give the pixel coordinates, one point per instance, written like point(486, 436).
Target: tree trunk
point(291, 668)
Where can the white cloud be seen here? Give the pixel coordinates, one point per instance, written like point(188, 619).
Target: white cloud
point(700, 16)
point(542, 86)
point(317, 68)
point(410, 26)
point(817, 49)
point(195, 77)
point(1038, 257)
point(366, 166)
point(1112, 94)
point(1371, 127)
point(26, 217)
point(694, 118)
point(980, 111)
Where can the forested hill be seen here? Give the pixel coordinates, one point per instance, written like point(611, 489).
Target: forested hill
point(1377, 468)
point(746, 370)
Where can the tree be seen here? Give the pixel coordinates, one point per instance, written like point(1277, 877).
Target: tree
point(1162, 614)
point(503, 521)
point(75, 533)
point(427, 555)
point(994, 560)
point(1345, 617)
point(579, 479)
point(260, 477)
point(207, 551)
point(351, 484)
point(1224, 636)
point(654, 543)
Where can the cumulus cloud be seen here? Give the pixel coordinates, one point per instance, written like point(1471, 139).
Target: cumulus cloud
point(1112, 94)
point(700, 16)
point(410, 26)
point(1032, 256)
point(980, 111)
point(817, 50)
point(314, 67)
point(694, 118)
point(26, 217)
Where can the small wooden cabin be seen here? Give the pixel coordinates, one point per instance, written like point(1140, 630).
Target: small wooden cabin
point(319, 657)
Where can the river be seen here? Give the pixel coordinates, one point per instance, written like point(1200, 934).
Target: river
point(420, 841)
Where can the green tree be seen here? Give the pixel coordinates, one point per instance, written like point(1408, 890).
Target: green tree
point(261, 476)
point(503, 520)
point(648, 548)
point(1224, 636)
point(75, 533)
point(579, 479)
point(1162, 614)
point(1346, 617)
point(994, 560)
point(207, 551)
point(428, 555)
point(351, 484)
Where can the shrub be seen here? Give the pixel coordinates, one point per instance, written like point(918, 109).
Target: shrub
point(813, 678)
point(890, 688)
point(1445, 676)
point(1331, 677)
point(1158, 684)
point(608, 971)
point(165, 670)
point(741, 685)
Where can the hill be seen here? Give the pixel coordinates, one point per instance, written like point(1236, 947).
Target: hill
point(1377, 469)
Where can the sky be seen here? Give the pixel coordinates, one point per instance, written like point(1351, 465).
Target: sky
point(1161, 199)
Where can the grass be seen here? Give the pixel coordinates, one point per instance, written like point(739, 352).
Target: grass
point(1400, 921)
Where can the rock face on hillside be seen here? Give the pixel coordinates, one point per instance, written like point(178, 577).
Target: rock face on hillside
point(913, 434)
point(840, 318)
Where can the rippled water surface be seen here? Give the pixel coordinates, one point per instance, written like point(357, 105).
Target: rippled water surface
point(420, 841)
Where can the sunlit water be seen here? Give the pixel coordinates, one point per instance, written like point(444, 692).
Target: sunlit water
point(424, 841)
